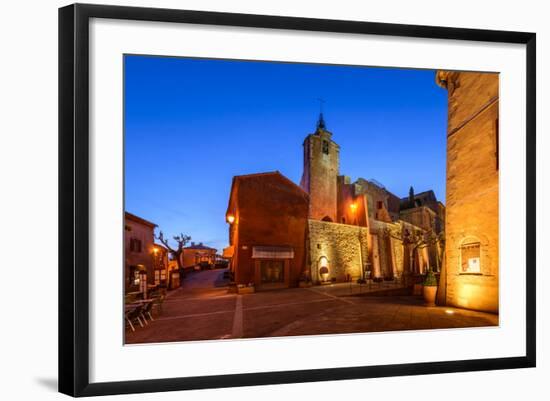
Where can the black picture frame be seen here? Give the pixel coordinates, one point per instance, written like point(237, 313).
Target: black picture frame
point(74, 198)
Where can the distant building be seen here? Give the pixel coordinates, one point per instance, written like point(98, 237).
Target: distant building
point(197, 253)
point(423, 210)
point(268, 230)
point(139, 251)
point(472, 267)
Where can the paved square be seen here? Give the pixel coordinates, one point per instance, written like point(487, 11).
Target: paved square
point(203, 310)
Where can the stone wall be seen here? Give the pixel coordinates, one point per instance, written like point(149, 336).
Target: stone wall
point(344, 246)
point(388, 253)
point(398, 257)
point(421, 216)
point(472, 187)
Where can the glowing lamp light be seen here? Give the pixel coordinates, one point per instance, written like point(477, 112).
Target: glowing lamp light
point(449, 312)
point(155, 250)
point(230, 218)
point(353, 207)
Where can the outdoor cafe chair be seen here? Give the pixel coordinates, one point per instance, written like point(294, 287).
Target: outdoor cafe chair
point(142, 315)
point(147, 308)
point(132, 315)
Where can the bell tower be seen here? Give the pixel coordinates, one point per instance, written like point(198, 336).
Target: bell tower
point(321, 169)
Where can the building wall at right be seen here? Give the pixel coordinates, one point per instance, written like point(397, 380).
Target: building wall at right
point(472, 203)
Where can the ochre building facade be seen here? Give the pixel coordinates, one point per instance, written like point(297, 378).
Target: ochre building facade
point(268, 230)
point(197, 254)
point(472, 222)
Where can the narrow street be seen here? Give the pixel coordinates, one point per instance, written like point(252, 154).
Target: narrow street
point(203, 310)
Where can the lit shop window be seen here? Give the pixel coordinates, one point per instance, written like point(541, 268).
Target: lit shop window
point(135, 277)
point(470, 259)
point(157, 277)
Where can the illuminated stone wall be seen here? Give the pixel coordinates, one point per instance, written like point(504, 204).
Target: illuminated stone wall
point(398, 256)
point(387, 256)
point(472, 189)
point(344, 246)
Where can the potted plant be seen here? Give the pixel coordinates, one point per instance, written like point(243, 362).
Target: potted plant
point(430, 288)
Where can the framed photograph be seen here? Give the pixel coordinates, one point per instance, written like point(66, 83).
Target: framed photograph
point(251, 199)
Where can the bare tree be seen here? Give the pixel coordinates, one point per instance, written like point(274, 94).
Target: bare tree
point(181, 240)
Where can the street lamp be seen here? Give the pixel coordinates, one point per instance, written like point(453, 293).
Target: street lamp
point(230, 218)
point(155, 263)
point(353, 207)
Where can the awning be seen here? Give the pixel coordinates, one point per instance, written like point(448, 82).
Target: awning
point(228, 252)
point(272, 252)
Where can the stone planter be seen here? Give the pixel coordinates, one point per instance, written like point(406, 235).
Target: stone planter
point(429, 293)
point(245, 290)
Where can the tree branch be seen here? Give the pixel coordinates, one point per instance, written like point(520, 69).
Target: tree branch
point(165, 242)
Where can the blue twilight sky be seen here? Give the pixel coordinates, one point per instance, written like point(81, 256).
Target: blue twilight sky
point(192, 124)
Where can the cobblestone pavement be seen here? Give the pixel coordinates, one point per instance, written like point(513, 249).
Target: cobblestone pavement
point(203, 310)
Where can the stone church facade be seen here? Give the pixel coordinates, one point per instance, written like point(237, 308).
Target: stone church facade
point(360, 229)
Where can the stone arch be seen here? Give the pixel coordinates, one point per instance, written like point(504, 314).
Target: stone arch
point(323, 268)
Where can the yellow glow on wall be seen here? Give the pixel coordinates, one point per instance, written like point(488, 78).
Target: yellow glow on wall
point(466, 294)
point(230, 218)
